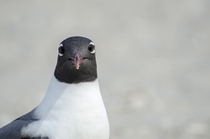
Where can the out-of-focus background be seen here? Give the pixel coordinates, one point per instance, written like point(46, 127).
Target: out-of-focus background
point(153, 61)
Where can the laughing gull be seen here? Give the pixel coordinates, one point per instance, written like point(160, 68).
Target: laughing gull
point(72, 107)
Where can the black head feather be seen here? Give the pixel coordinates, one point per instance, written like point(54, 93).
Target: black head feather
point(76, 60)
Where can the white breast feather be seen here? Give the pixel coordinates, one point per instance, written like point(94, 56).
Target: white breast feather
point(74, 111)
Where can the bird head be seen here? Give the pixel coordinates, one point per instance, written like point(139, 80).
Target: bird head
point(76, 60)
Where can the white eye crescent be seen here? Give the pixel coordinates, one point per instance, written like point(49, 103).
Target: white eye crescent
point(61, 50)
point(91, 48)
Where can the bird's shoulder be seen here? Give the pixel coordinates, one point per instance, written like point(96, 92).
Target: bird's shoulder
point(13, 129)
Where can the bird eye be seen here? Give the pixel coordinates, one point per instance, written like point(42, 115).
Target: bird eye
point(91, 47)
point(61, 50)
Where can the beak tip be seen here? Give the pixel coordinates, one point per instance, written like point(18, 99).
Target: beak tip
point(77, 66)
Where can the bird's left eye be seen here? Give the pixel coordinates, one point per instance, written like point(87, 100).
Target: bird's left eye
point(61, 50)
point(91, 48)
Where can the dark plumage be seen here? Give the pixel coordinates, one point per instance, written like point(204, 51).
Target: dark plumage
point(70, 49)
point(12, 130)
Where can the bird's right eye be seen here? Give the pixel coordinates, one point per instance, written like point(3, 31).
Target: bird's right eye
point(61, 50)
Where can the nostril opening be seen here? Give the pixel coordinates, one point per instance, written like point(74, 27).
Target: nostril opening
point(76, 58)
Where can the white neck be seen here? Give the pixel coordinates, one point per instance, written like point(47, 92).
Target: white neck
point(71, 111)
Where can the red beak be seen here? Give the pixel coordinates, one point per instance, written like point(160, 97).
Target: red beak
point(77, 60)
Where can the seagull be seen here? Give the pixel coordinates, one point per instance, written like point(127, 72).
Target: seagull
point(72, 107)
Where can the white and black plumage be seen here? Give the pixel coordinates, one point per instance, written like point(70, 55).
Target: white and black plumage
point(72, 107)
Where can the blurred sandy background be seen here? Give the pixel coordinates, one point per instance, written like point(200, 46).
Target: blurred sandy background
point(153, 61)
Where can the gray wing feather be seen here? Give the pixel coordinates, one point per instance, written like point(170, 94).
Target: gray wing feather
point(13, 129)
